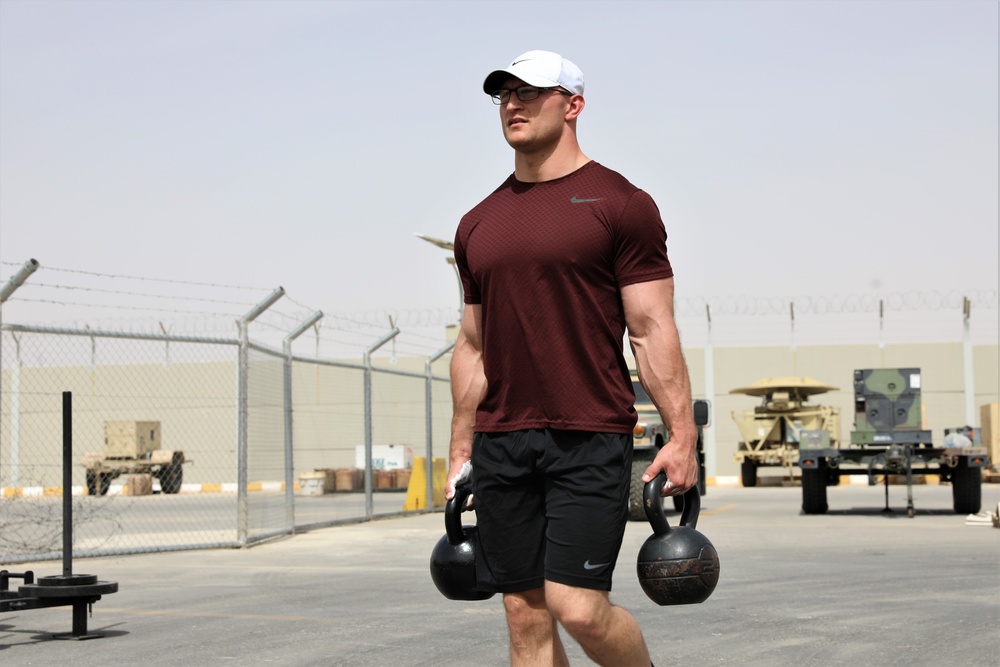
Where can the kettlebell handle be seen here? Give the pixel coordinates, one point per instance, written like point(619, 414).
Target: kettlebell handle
point(453, 514)
point(652, 503)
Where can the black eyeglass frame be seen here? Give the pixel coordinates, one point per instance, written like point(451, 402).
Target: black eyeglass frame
point(523, 93)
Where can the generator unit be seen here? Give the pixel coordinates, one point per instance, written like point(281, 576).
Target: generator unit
point(888, 439)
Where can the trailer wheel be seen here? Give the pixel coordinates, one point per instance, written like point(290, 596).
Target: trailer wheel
point(640, 461)
point(814, 489)
point(171, 478)
point(748, 471)
point(92, 479)
point(966, 487)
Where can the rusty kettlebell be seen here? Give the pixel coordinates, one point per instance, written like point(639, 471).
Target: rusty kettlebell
point(676, 565)
point(453, 561)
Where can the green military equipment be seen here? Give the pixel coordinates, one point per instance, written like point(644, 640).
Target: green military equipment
point(887, 407)
point(889, 439)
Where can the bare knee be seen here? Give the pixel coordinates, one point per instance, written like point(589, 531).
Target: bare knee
point(528, 619)
point(586, 628)
point(585, 614)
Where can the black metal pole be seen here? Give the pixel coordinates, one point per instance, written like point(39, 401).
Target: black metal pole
point(67, 486)
point(80, 620)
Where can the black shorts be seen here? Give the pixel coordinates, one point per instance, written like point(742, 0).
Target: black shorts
point(550, 505)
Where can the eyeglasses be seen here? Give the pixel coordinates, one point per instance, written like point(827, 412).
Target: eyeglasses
point(524, 93)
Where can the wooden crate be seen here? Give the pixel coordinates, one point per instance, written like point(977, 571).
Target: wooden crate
point(350, 479)
point(401, 478)
point(138, 485)
point(383, 479)
point(330, 480)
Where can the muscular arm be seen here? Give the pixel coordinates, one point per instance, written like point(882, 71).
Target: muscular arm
point(468, 386)
point(652, 332)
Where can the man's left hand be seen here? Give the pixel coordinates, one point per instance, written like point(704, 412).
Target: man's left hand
point(680, 463)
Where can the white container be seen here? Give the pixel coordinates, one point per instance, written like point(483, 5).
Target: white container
point(311, 483)
point(385, 457)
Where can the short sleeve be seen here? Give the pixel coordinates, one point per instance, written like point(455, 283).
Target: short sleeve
point(641, 242)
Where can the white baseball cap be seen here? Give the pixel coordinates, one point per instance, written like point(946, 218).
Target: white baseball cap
point(538, 68)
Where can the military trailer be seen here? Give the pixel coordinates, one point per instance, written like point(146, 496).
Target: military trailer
point(131, 448)
point(889, 440)
point(771, 431)
point(648, 436)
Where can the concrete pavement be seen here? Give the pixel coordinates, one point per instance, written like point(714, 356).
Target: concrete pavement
point(850, 587)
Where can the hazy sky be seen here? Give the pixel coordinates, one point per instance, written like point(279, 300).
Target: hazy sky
point(793, 147)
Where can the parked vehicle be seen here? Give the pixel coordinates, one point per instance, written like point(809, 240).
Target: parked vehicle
point(889, 439)
point(130, 448)
point(648, 436)
point(772, 430)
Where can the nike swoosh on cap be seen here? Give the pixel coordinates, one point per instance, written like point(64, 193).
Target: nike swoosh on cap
point(576, 200)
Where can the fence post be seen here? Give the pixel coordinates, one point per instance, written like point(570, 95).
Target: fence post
point(289, 458)
point(15, 414)
point(967, 358)
point(791, 312)
point(17, 279)
point(369, 501)
point(242, 424)
point(6, 290)
point(429, 421)
point(709, 433)
point(881, 331)
point(166, 342)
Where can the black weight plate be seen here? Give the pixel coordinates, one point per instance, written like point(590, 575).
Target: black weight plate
point(67, 580)
point(36, 591)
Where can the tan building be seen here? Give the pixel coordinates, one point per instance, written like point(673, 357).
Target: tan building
point(197, 402)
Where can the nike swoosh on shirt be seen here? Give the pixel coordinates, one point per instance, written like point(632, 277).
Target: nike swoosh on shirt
point(576, 200)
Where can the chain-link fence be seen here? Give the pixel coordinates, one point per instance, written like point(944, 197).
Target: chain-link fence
point(254, 439)
point(182, 443)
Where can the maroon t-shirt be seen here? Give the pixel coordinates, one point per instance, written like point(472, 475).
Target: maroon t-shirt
point(546, 261)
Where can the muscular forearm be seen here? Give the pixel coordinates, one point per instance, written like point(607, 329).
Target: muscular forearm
point(660, 363)
point(665, 378)
point(468, 384)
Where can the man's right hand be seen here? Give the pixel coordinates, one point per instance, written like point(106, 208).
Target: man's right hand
point(459, 473)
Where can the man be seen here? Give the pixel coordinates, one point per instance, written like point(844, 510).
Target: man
point(556, 263)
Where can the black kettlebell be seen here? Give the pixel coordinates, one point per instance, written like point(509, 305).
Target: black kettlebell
point(676, 565)
point(453, 561)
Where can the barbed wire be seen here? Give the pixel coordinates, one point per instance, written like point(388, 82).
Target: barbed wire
point(115, 306)
point(358, 327)
point(419, 317)
point(836, 304)
point(300, 305)
point(142, 278)
point(144, 295)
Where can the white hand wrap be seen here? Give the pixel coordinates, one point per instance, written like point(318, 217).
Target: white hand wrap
point(462, 475)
